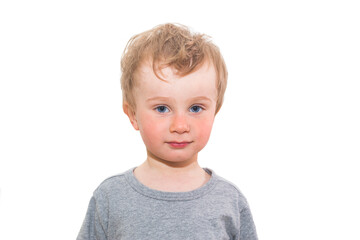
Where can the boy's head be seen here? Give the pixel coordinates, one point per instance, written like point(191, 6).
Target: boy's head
point(170, 45)
point(173, 85)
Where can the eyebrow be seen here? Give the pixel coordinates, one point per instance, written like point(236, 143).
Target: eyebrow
point(169, 98)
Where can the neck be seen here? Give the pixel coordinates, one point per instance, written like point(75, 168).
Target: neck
point(170, 168)
point(171, 176)
point(165, 177)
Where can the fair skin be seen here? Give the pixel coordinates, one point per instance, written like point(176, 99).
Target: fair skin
point(175, 119)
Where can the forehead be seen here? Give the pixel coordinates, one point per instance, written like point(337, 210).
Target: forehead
point(201, 82)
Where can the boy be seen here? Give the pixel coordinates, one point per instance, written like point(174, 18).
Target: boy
point(173, 83)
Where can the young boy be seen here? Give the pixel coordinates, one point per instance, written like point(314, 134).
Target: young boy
point(173, 83)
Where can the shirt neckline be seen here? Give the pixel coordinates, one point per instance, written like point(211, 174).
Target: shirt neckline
point(171, 196)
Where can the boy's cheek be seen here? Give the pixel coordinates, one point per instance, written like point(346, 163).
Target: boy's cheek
point(204, 130)
point(151, 130)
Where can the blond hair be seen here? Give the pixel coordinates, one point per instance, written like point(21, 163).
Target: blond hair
point(170, 45)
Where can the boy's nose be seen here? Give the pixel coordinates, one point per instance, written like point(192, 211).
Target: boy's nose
point(179, 124)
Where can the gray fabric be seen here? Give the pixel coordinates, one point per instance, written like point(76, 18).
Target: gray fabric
point(123, 208)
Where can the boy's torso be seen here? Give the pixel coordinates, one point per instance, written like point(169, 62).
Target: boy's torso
point(129, 210)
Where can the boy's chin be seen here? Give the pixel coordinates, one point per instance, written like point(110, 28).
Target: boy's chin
point(175, 159)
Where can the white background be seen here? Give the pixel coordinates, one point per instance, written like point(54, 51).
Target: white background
point(288, 134)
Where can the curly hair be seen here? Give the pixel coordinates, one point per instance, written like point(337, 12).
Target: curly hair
point(170, 45)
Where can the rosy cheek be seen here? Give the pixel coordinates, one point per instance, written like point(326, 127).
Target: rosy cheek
point(204, 130)
point(150, 130)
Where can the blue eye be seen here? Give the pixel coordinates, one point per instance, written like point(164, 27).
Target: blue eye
point(196, 109)
point(162, 109)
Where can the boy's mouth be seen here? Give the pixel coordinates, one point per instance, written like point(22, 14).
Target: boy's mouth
point(178, 144)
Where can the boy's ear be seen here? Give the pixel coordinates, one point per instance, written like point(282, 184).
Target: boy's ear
point(128, 110)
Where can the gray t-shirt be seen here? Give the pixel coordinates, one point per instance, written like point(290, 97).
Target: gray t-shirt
point(123, 208)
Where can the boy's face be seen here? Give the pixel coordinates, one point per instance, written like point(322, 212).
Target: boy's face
point(174, 117)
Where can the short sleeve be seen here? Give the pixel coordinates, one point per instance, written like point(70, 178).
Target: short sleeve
point(94, 226)
point(247, 226)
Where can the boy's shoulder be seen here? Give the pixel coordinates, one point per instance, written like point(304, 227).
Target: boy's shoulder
point(114, 182)
point(229, 189)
